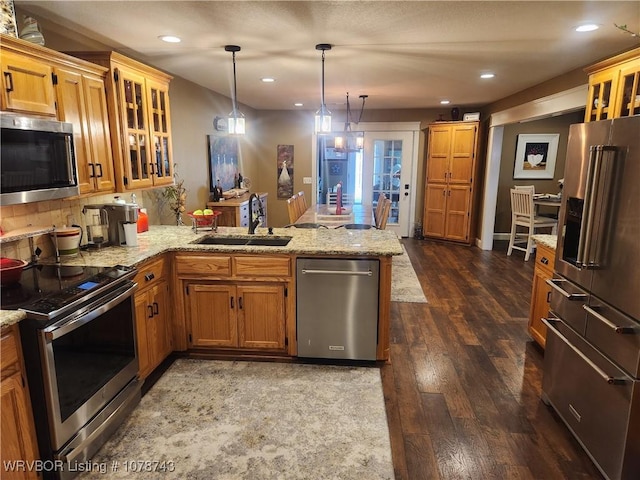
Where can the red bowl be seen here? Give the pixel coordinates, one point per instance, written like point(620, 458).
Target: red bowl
point(11, 270)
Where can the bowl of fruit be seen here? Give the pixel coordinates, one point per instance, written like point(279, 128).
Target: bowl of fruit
point(206, 218)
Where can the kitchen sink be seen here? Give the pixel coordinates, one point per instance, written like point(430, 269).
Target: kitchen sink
point(258, 241)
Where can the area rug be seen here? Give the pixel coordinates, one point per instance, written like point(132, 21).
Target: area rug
point(228, 420)
point(405, 286)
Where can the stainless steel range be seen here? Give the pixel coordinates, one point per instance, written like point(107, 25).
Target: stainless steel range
point(80, 355)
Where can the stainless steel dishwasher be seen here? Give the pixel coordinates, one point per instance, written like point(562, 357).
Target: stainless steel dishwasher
point(337, 308)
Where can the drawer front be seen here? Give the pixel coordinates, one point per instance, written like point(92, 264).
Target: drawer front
point(597, 412)
point(545, 258)
point(617, 335)
point(270, 266)
point(9, 348)
point(567, 302)
point(210, 265)
point(150, 272)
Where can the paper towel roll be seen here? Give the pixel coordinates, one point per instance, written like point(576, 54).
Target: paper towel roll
point(131, 234)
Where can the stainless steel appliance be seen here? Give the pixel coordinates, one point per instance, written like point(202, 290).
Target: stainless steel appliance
point(592, 355)
point(337, 308)
point(38, 160)
point(112, 215)
point(80, 356)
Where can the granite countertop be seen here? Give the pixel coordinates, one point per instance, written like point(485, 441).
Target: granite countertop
point(163, 238)
point(546, 240)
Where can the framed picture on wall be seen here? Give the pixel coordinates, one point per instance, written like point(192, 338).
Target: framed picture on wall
point(536, 156)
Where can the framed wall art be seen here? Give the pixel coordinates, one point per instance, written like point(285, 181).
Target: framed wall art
point(223, 161)
point(536, 156)
point(285, 171)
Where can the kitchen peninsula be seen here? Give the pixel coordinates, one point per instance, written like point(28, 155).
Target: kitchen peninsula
point(200, 274)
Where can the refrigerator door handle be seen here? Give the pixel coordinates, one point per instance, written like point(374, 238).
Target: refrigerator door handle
point(554, 283)
point(586, 224)
point(549, 322)
point(609, 323)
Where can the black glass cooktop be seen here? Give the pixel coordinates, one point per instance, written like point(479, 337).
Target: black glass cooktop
point(56, 285)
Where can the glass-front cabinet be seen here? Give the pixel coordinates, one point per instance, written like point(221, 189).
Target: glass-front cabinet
point(614, 87)
point(139, 97)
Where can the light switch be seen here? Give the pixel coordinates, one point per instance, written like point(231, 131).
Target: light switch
point(307, 180)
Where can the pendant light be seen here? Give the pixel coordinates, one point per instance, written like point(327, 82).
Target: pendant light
point(236, 118)
point(323, 116)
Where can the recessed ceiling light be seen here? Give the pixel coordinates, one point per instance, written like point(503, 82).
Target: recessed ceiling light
point(297, 104)
point(268, 79)
point(445, 102)
point(487, 75)
point(170, 38)
point(588, 27)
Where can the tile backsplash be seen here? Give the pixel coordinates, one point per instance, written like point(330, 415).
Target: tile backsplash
point(65, 212)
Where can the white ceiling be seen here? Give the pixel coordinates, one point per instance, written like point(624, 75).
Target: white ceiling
point(405, 54)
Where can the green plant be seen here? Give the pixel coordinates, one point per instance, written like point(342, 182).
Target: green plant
point(176, 196)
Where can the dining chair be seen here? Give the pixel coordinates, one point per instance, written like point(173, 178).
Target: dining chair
point(302, 201)
point(381, 224)
point(292, 208)
point(523, 214)
point(382, 198)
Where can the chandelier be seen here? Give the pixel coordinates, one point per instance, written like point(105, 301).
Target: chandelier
point(350, 140)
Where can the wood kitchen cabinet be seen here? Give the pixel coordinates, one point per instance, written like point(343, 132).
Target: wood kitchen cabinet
point(238, 302)
point(540, 292)
point(235, 211)
point(140, 121)
point(614, 87)
point(82, 102)
point(40, 81)
point(153, 315)
point(450, 187)
point(17, 427)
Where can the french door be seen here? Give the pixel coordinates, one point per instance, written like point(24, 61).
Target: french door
point(388, 169)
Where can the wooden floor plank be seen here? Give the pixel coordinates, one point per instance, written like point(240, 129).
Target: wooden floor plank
point(463, 385)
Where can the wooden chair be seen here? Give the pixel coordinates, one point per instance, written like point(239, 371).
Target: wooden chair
point(381, 223)
point(302, 201)
point(292, 208)
point(382, 198)
point(523, 214)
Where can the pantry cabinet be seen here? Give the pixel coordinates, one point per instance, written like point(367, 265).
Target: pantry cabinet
point(139, 114)
point(153, 315)
point(236, 303)
point(614, 87)
point(40, 81)
point(451, 178)
point(540, 292)
point(17, 427)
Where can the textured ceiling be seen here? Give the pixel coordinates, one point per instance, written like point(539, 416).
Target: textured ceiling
point(407, 54)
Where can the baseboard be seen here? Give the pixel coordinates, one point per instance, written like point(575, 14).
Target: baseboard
point(501, 236)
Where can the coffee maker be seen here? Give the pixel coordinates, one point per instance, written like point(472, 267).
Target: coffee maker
point(112, 218)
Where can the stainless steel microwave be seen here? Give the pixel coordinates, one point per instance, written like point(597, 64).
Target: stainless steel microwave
point(37, 160)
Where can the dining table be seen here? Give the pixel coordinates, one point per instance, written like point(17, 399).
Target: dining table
point(324, 214)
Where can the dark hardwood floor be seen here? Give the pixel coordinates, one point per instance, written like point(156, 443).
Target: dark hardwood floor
point(462, 389)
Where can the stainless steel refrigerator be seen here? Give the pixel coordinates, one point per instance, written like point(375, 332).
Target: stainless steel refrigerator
point(592, 355)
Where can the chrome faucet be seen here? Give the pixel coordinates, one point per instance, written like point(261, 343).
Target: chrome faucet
point(253, 223)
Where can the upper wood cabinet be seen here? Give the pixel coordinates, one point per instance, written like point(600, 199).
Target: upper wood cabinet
point(614, 87)
point(452, 168)
point(139, 114)
point(40, 81)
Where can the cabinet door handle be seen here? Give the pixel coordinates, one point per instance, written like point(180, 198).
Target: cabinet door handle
point(156, 308)
point(149, 276)
point(93, 170)
point(8, 80)
point(232, 307)
point(240, 303)
point(100, 168)
point(150, 308)
point(444, 193)
point(544, 261)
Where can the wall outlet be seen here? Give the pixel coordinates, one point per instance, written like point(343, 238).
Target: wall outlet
point(307, 180)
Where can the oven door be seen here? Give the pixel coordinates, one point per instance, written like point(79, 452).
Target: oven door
point(88, 357)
